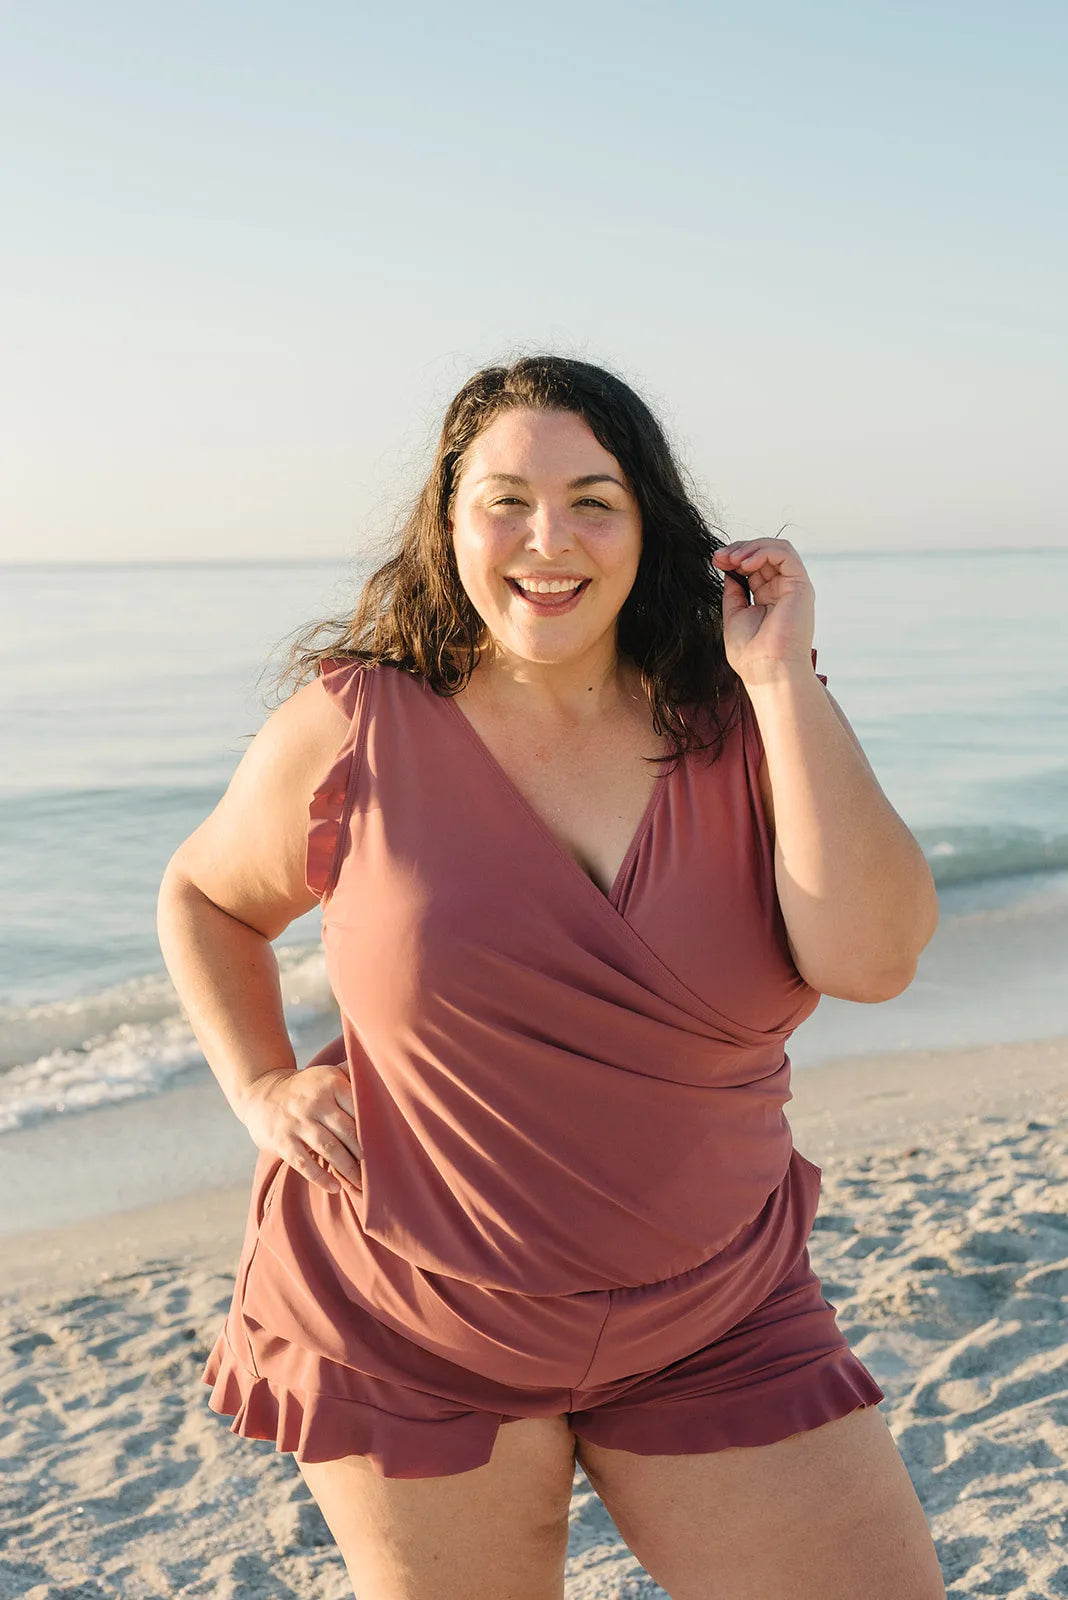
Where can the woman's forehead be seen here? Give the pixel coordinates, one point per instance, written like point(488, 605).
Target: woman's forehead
point(526, 443)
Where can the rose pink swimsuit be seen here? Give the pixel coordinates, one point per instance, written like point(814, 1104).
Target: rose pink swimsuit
point(576, 1167)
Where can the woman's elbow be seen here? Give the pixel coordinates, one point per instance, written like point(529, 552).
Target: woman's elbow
point(847, 978)
point(875, 988)
point(870, 952)
point(891, 975)
point(875, 974)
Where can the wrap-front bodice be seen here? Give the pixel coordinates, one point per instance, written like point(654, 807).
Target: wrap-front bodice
point(555, 1089)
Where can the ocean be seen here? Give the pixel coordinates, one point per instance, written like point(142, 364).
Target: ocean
point(131, 691)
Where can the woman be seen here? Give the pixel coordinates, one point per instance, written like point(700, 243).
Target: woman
point(590, 838)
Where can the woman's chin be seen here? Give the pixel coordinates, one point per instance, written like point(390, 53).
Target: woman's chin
point(542, 652)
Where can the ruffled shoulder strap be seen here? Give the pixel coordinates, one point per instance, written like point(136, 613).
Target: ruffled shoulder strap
point(346, 683)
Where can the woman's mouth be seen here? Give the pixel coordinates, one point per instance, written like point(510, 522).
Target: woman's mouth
point(562, 600)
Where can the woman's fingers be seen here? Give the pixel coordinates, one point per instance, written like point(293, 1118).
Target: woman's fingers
point(335, 1149)
point(322, 1159)
point(772, 569)
point(748, 556)
point(343, 1092)
point(310, 1167)
point(776, 627)
point(308, 1118)
point(740, 548)
point(330, 1131)
point(735, 599)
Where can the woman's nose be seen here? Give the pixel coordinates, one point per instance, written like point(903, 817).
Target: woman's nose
point(549, 531)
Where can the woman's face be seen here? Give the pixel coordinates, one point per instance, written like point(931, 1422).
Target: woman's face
point(540, 499)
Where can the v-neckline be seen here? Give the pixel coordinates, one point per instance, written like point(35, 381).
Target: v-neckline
point(612, 897)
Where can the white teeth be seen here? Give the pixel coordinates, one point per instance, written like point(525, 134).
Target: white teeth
point(540, 586)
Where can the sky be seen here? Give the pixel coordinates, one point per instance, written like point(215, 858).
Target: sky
point(250, 251)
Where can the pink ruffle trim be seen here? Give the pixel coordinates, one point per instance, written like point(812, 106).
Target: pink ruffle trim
point(804, 1398)
point(322, 1427)
point(324, 826)
point(328, 802)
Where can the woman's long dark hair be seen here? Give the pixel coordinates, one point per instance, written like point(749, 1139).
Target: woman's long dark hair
point(415, 614)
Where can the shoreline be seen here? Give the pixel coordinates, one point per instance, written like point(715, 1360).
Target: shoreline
point(841, 1109)
point(990, 975)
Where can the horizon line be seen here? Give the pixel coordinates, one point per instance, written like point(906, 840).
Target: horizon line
point(333, 561)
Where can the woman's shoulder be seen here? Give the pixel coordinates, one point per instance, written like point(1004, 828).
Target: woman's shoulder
point(344, 681)
point(305, 735)
point(345, 687)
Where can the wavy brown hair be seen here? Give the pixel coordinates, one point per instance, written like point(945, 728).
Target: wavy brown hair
point(414, 613)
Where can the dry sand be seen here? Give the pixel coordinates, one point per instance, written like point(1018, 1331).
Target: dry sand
point(942, 1240)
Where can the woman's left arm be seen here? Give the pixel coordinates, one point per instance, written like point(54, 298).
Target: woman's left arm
point(856, 893)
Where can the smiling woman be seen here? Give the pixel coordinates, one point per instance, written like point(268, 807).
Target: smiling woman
point(541, 530)
point(537, 450)
point(590, 839)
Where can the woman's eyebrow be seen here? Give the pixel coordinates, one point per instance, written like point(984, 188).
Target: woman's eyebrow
point(597, 477)
point(576, 483)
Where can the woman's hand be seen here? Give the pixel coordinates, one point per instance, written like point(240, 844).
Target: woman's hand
point(308, 1119)
point(776, 630)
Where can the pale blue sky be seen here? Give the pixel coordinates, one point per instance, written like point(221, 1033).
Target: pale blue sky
point(249, 251)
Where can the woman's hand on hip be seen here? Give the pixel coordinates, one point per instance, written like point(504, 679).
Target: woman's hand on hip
point(774, 633)
point(308, 1119)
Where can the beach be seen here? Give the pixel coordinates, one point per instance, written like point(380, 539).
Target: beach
point(941, 1240)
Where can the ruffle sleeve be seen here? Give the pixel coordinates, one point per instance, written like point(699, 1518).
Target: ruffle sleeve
point(328, 810)
point(822, 676)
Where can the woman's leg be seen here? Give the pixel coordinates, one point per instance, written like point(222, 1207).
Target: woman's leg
point(498, 1531)
point(830, 1514)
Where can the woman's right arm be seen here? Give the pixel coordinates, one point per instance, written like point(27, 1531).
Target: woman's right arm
point(228, 890)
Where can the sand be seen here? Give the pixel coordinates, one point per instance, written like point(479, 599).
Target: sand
point(942, 1240)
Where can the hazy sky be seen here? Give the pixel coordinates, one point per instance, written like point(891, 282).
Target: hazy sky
point(249, 251)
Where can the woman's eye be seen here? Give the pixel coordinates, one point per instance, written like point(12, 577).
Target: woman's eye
point(514, 500)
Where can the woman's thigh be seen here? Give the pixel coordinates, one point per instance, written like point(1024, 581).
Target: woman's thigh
point(498, 1531)
point(830, 1514)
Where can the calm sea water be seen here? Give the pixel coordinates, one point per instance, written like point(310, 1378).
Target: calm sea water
point(129, 694)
